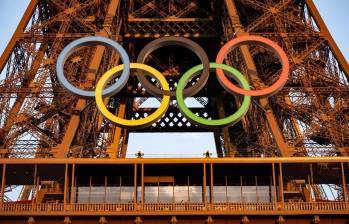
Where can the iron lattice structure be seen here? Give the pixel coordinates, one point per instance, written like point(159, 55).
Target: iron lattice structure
point(306, 121)
point(309, 117)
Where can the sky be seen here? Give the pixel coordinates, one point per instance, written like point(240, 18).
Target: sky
point(334, 12)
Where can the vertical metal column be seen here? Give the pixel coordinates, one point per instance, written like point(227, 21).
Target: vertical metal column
point(72, 189)
point(281, 183)
point(65, 186)
point(274, 183)
point(3, 183)
point(211, 185)
point(142, 179)
point(204, 183)
point(135, 186)
point(344, 183)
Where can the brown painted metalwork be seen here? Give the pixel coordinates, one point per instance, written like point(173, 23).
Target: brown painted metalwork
point(307, 118)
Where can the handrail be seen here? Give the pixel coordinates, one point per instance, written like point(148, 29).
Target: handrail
point(177, 207)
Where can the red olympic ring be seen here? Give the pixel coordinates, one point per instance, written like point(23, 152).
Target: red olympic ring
point(275, 48)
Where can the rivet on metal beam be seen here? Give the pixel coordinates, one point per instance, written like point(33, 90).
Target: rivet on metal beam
point(245, 220)
point(173, 220)
point(316, 219)
point(209, 220)
point(102, 220)
point(280, 220)
point(31, 220)
point(138, 220)
point(66, 220)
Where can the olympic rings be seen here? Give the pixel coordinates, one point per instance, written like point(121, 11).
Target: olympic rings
point(181, 41)
point(86, 41)
point(140, 123)
point(181, 91)
point(237, 42)
point(232, 119)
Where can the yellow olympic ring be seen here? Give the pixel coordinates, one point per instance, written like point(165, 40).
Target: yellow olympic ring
point(140, 123)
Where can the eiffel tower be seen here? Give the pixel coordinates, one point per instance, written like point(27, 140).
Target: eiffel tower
point(285, 161)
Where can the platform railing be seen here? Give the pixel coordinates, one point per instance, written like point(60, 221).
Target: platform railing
point(18, 208)
point(14, 207)
point(100, 207)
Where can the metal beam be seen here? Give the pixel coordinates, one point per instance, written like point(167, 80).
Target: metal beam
point(30, 75)
point(112, 150)
point(284, 149)
point(19, 30)
point(2, 190)
point(326, 33)
point(62, 149)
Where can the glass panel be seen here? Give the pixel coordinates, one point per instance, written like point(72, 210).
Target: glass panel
point(234, 194)
point(166, 194)
point(126, 194)
point(181, 194)
point(249, 194)
point(195, 193)
point(97, 194)
point(113, 195)
point(83, 194)
point(151, 194)
point(264, 194)
point(219, 194)
point(139, 194)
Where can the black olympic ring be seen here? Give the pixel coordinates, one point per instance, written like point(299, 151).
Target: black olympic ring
point(167, 41)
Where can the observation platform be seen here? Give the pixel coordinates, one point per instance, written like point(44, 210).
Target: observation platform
point(180, 187)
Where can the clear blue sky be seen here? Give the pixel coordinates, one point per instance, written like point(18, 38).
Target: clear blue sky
point(334, 12)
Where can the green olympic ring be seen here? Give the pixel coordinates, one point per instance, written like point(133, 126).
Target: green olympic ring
point(207, 123)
